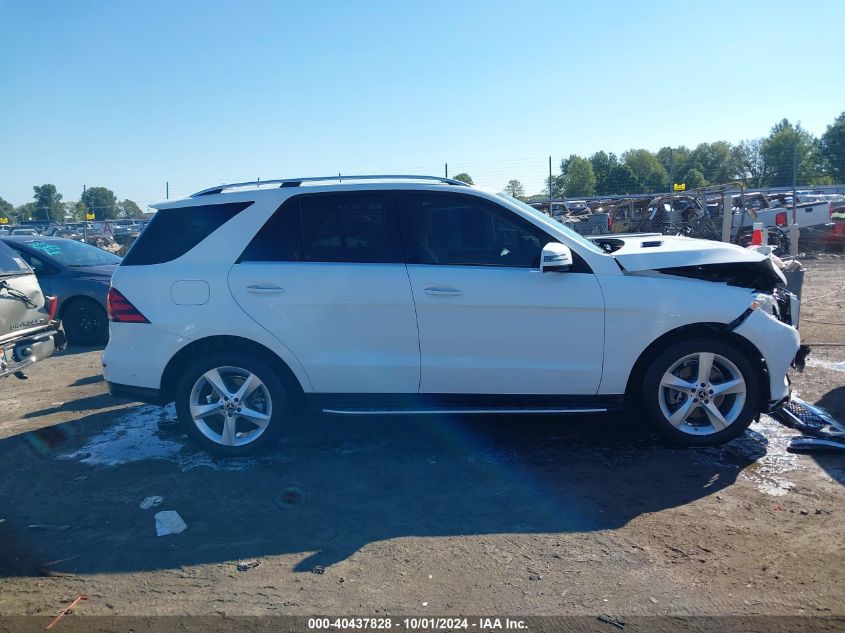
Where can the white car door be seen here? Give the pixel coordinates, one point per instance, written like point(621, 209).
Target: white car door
point(325, 275)
point(489, 321)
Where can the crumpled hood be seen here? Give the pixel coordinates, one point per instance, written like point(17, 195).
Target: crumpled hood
point(696, 259)
point(653, 252)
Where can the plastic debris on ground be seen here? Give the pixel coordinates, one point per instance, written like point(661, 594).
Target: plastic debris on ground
point(245, 565)
point(169, 522)
point(151, 502)
point(821, 431)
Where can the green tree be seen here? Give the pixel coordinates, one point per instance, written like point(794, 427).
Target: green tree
point(622, 180)
point(27, 212)
point(777, 151)
point(464, 177)
point(694, 179)
point(48, 203)
point(6, 209)
point(749, 162)
point(80, 210)
point(129, 209)
point(578, 177)
point(650, 175)
point(557, 187)
point(101, 202)
point(833, 149)
point(514, 188)
point(714, 161)
point(603, 165)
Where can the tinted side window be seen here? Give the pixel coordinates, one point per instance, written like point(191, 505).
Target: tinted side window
point(344, 228)
point(453, 229)
point(280, 239)
point(325, 228)
point(173, 232)
point(11, 262)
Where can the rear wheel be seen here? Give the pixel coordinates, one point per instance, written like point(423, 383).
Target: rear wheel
point(233, 404)
point(85, 323)
point(701, 392)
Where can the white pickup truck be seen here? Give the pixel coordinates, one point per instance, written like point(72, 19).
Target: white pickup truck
point(776, 210)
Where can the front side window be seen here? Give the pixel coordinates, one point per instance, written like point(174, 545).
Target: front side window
point(459, 230)
point(324, 228)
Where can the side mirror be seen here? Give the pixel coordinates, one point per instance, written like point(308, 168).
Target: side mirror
point(555, 257)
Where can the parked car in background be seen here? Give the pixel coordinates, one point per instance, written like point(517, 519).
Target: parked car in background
point(422, 295)
point(79, 274)
point(28, 331)
point(23, 231)
point(67, 233)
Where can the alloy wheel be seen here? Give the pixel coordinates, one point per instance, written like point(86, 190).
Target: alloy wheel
point(702, 393)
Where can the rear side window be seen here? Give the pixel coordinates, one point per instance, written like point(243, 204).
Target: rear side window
point(11, 263)
point(173, 232)
point(325, 228)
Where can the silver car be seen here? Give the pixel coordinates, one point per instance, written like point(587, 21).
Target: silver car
point(28, 331)
point(79, 274)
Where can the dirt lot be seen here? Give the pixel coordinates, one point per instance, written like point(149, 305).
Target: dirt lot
point(419, 516)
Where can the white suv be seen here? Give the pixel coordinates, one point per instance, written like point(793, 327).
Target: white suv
point(422, 295)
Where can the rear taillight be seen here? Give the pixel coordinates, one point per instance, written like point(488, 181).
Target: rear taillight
point(54, 302)
point(121, 310)
point(780, 219)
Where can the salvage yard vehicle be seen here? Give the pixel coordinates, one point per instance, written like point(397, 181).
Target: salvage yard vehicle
point(408, 295)
point(28, 331)
point(79, 274)
point(775, 210)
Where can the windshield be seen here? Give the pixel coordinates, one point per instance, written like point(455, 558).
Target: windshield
point(72, 253)
point(582, 241)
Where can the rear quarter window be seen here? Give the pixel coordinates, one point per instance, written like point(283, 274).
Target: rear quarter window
point(173, 232)
point(11, 263)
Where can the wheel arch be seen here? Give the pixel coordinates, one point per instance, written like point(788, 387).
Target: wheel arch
point(706, 330)
point(218, 343)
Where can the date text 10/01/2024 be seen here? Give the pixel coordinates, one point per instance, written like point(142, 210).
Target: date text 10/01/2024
point(412, 624)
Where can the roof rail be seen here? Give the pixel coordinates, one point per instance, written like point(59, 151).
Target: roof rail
point(295, 182)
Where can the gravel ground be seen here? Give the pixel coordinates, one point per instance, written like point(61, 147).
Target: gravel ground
point(528, 516)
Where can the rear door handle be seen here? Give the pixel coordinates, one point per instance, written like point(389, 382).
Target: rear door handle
point(439, 291)
point(261, 289)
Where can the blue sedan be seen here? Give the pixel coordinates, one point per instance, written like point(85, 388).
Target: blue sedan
point(79, 274)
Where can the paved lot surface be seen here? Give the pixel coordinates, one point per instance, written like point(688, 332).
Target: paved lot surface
point(419, 516)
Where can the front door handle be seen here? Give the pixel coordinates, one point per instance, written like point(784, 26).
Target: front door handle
point(262, 289)
point(440, 291)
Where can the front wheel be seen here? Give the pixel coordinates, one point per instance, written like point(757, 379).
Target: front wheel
point(232, 404)
point(701, 392)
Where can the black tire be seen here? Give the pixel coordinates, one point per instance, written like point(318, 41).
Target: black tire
point(85, 323)
point(696, 431)
point(283, 413)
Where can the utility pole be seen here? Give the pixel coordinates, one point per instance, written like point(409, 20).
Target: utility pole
point(794, 233)
point(167, 190)
point(550, 187)
point(446, 168)
point(84, 220)
point(671, 173)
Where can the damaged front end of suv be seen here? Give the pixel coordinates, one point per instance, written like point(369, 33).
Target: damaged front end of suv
point(769, 320)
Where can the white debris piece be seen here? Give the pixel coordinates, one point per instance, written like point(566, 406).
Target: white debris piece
point(151, 502)
point(169, 522)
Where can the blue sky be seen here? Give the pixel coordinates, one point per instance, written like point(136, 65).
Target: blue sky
point(130, 95)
